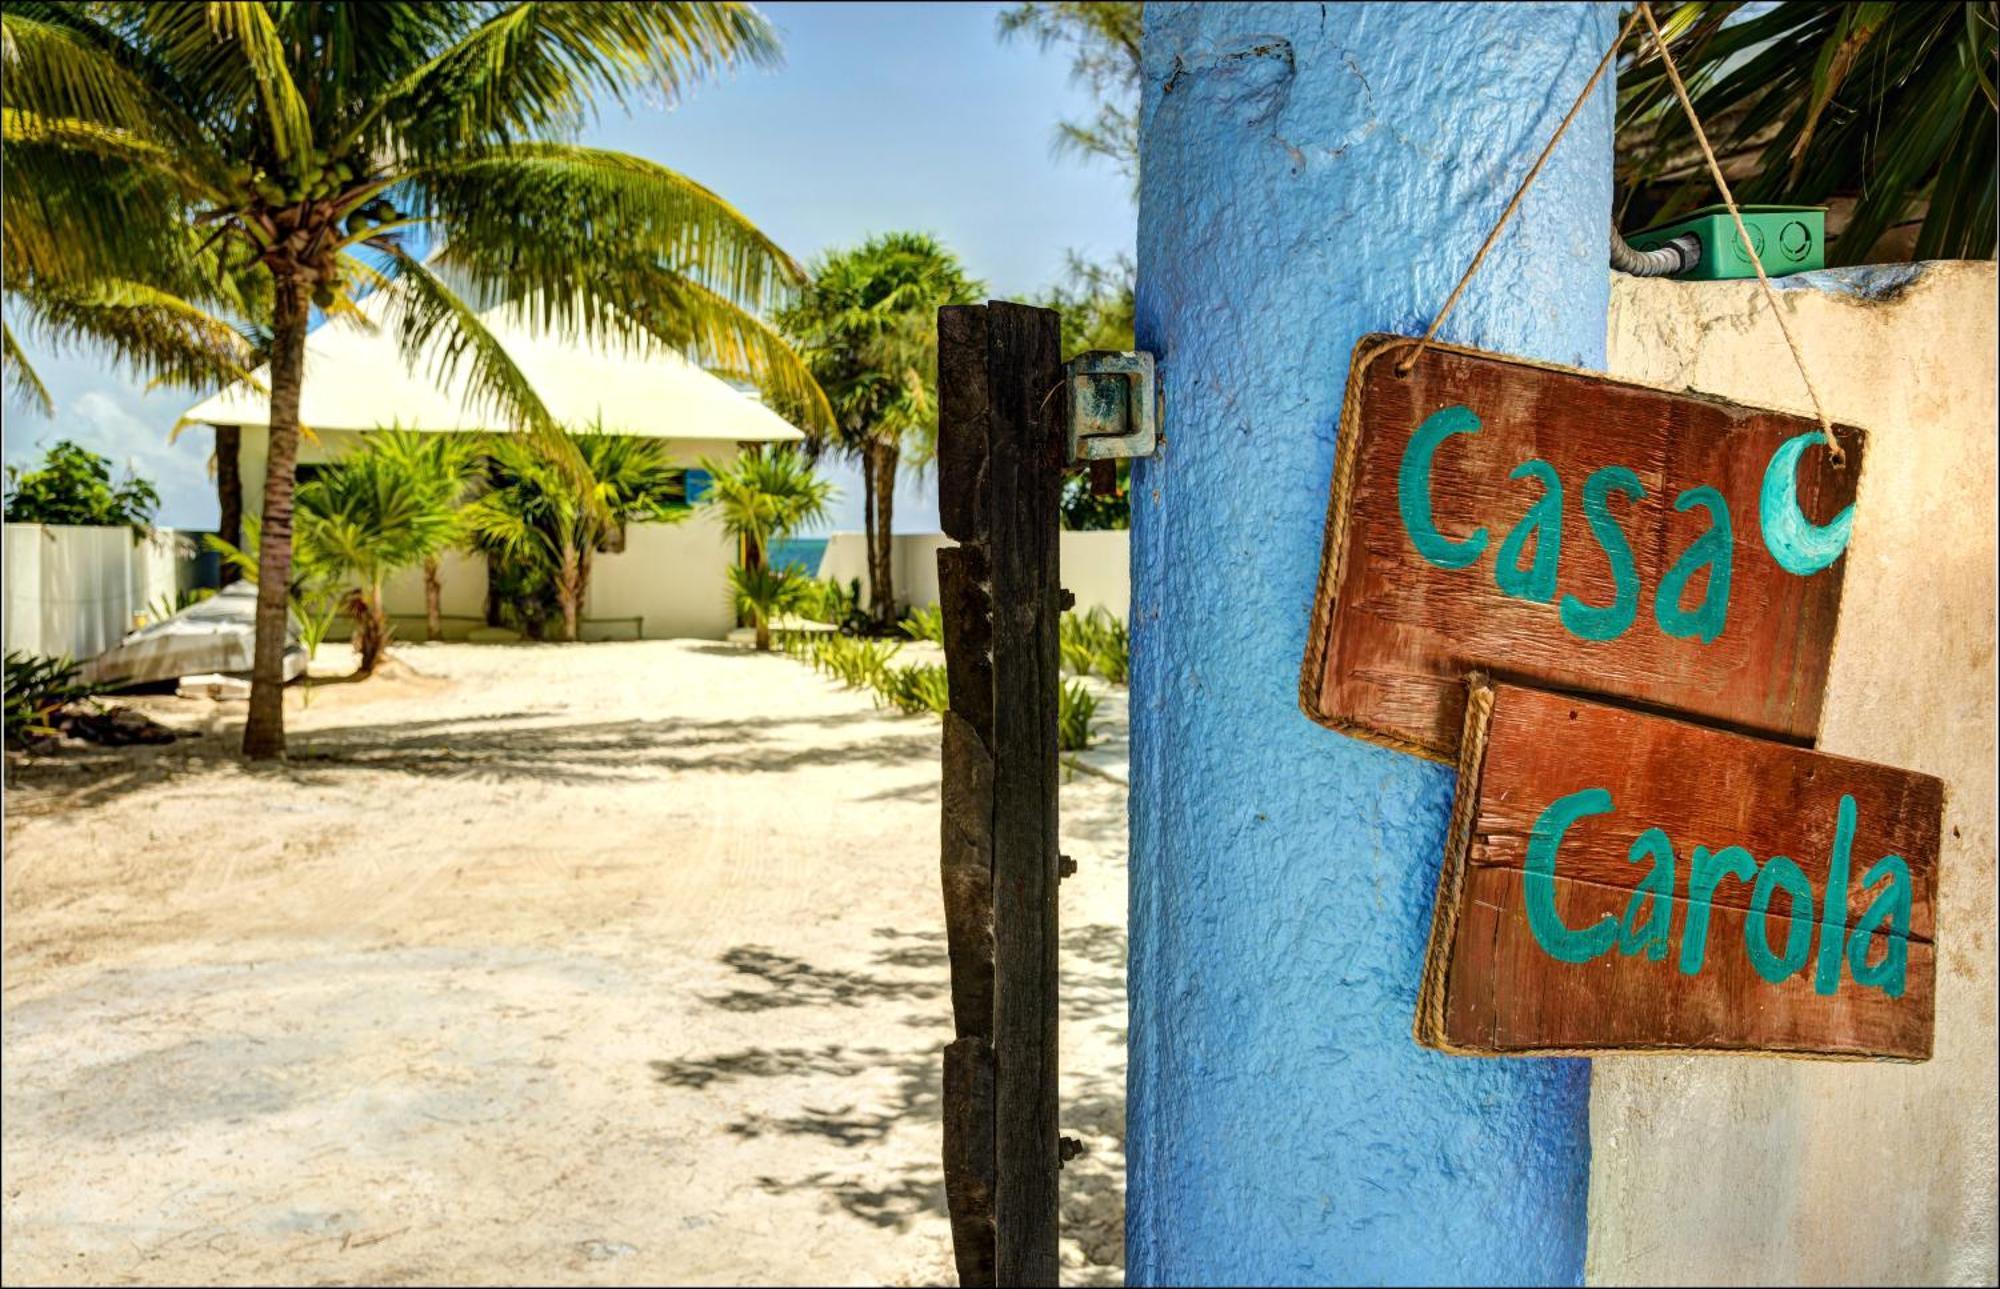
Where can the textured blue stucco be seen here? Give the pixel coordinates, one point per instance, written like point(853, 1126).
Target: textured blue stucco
point(1312, 173)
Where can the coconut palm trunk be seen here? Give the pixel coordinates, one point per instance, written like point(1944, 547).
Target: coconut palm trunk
point(264, 731)
point(229, 492)
point(569, 591)
point(433, 600)
point(881, 553)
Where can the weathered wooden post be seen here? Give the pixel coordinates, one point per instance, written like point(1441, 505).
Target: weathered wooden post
point(1000, 466)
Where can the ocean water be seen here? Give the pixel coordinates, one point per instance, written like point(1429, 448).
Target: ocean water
point(801, 553)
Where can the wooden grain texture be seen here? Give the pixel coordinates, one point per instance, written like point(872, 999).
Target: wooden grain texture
point(1024, 481)
point(1492, 988)
point(1000, 477)
point(968, 1157)
point(1393, 634)
point(966, 791)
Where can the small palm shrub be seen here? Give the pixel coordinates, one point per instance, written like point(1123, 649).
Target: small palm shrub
point(1095, 643)
point(764, 594)
point(1075, 709)
point(924, 624)
point(166, 604)
point(855, 663)
point(919, 687)
point(38, 689)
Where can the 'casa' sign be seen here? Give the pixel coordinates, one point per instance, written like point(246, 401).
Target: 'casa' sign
point(1618, 880)
point(1562, 528)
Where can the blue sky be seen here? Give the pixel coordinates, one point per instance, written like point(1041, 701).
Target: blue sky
point(884, 117)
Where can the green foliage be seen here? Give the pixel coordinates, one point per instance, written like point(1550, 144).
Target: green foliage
point(1082, 510)
point(545, 515)
point(1097, 307)
point(764, 495)
point(925, 624)
point(854, 662)
point(1076, 707)
point(866, 326)
point(1099, 304)
point(165, 604)
point(867, 329)
point(37, 689)
point(146, 144)
point(763, 594)
point(1890, 104)
point(1095, 643)
point(826, 600)
point(73, 485)
point(917, 687)
point(1103, 40)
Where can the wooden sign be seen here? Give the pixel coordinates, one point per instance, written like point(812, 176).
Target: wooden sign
point(1557, 527)
point(1615, 880)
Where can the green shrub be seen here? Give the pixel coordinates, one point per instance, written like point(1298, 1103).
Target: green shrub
point(1075, 708)
point(919, 687)
point(165, 604)
point(854, 662)
point(825, 600)
point(37, 689)
point(924, 624)
point(1095, 644)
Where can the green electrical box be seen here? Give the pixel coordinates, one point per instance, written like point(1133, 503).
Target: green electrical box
point(1789, 239)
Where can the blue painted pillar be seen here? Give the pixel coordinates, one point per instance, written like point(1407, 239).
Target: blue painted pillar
point(1312, 173)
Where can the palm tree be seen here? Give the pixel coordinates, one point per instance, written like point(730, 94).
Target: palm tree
point(549, 517)
point(442, 468)
point(1889, 105)
point(760, 497)
point(314, 140)
point(361, 519)
point(867, 327)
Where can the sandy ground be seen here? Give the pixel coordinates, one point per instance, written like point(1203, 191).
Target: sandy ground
point(615, 963)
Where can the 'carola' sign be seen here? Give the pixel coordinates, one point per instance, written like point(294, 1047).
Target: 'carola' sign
point(1617, 880)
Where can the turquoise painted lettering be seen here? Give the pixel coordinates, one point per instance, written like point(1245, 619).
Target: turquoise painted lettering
point(1539, 881)
point(1833, 928)
point(1609, 621)
point(1714, 551)
point(1888, 914)
point(1798, 544)
point(1779, 873)
point(1654, 896)
point(1544, 524)
point(1413, 490)
point(1706, 872)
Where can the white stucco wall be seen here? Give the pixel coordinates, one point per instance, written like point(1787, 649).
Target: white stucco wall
point(1097, 566)
point(74, 591)
point(672, 579)
point(1730, 1170)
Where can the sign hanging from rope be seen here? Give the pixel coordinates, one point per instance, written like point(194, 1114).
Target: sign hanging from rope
point(1507, 541)
point(1562, 528)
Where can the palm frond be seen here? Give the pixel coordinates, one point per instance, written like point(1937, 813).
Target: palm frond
point(232, 57)
point(526, 217)
point(151, 333)
point(538, 68)
point(22, 381)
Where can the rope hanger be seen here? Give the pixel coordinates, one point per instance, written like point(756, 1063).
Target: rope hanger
point(1642, 11)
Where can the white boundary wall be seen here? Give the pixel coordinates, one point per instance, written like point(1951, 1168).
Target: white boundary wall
point(1097, 566)
point(76, 591)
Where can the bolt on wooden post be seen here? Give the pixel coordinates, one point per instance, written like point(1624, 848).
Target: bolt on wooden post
point(1000, 467)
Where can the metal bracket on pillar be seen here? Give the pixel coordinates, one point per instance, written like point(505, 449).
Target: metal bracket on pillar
point(1114, 405)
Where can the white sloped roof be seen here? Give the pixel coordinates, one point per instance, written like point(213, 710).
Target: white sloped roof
point(357, 380)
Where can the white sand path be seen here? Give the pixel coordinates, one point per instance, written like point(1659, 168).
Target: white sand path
point(605, 964)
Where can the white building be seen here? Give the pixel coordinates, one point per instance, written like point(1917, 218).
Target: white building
point(669, 580)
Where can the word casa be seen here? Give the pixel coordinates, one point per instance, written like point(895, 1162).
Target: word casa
point(1795, 542)
point(1645, 926)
